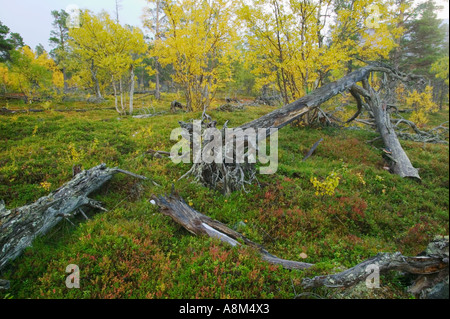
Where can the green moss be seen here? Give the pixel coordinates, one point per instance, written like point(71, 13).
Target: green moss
point(133, 251)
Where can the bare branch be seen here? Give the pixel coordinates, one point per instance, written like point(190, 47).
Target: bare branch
point(435, 260)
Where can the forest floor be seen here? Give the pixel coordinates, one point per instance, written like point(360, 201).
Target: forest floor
point(134, 251)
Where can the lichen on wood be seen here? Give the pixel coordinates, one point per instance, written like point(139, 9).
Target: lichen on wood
point(20, 226)
point(201, 225)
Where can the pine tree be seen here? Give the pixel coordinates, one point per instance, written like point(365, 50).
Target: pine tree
point(8, 41)
point(422, 43)
point(59, 40)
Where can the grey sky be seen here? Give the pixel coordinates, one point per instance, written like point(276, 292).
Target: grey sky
point(32, 18)
point(33, 21)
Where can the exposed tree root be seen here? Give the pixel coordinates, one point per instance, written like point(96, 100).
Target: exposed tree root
point(226, 177)
point(436, 135)
point(231, 177)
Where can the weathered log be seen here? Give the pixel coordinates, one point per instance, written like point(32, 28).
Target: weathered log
point(20, 226)
point(149, 114)
point(4, 111)
point(279, 118)
point(435, 135)
point(158, 154)
point(4, 284)
point(432, 263)
point(312, 150)
point(400, 164)
point(289, 113)
point(199, 225)
point(385, 262)
point(228, 107)
point(434, 286)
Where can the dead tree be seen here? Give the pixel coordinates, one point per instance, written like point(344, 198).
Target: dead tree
point(437, 135)
point(312, 150)
point(232, 177)
point(400, 163)
point(20, 226)
point(200, 225)
point(431, 268)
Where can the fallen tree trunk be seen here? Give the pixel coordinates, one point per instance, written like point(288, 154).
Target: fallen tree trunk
point(145, 116)
point(200, 225)
point(4, 284)
point(431, 268)
point(433, 264)
point(386, 262)
point(230, 177)
point(20, 226)
point(4, 111)
point(401, 164)
point(289, 113)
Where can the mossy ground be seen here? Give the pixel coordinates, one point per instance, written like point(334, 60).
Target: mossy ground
point(133, 251)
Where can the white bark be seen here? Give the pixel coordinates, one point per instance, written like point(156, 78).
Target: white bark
point(131, 89)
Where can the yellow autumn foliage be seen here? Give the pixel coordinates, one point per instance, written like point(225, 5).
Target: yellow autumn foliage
point(326, 187)
point(31, 74)
point(199, 44)
point(422, 103)
point(104, 48)
point(291, 48)
point(441, 69)
point(4, 76)
point(419, 118)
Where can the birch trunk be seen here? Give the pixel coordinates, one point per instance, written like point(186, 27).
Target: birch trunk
point(131, 89)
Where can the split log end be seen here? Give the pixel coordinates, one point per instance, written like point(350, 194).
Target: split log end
point(199, 224)
point(4, 284)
